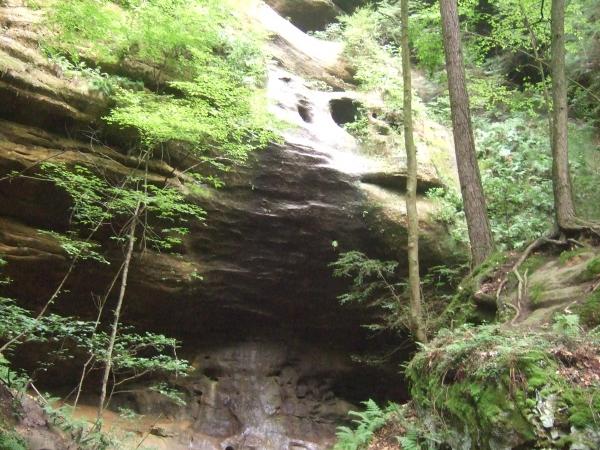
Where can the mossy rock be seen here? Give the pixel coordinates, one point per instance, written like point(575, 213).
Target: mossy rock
point(464, 307)
point(10, 440)
point(491, 388)
point(568, 255)
point(592, 269)
point(536, 292)
point(589, 311)
point(533, 263)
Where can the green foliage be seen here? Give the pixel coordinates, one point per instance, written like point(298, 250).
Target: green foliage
point(9, 440)
point(215, 106)
point(96, 201)
point(567, 255)
point(212, 114)
point(484, 379)
point(362, 269)
point(11, 378)
point(87, 436)
point(85, 21)
point(584, 155)
point(399, 419)
point(15, 320)
point(515, 166)
point(450, 212)
point(139, 353)
point(3, 278)
point(589, 311)
point(425, 36)
point(77, 248)
point(374, 285)
point(167, 391)
point(535, 293)
point(366, 423)
point(99, 81)
point(377, 285)
point(515, 169)
point(161, 33)
point(582, 59)
point(533, 263)
point(372, 49)
point(359, 128)
point(134, 353)
point(187, 84)
point(369, 53)
point(592, 268)
point(566, 324)
point(511, 136)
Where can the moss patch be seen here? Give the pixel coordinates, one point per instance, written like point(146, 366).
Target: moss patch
point(533, 263)
point(589, 311)
point(592, 268)
point(9, 440)
point(536, 294)
point(463, 308)
point(498, 388)
point(568, 255)
point(494, 261)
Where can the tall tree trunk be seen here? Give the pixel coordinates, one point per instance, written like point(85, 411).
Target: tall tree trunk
point(414, 279)
point(117, 313)
point(480, 233)
point(563, 195)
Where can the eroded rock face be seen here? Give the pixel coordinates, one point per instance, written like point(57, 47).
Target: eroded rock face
point(312, 15)
point(255, 395)
point(268, 338)
point(307, 14)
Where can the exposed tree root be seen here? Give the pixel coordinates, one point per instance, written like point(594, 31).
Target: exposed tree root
point(558, 237)
point(595, 287)
point(579, 225)
point(521, 293)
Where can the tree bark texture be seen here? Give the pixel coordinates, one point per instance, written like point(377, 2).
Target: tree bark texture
point(414, 279)
point(480, 233)
point(117, 313)
point(563, 194)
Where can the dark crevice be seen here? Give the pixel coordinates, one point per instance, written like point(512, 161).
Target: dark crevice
point(397, 182)
point(305, 111)
point(344, 110)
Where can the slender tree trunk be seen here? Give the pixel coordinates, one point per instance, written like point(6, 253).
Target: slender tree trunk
point(563, 194)
point(117, 314)
point(89, 364)
point(414, 279)
point(480, 233)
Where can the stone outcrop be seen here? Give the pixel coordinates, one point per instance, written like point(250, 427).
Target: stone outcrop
point(261, 395)
point(307, 14)
point(270, 342)
point(312, 15)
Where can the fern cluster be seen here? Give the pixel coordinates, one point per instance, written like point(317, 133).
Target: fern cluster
point(366, 423)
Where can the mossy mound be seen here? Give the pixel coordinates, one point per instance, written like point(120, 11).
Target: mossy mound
point(9, 440)
point(474, 301)
point(592, 269)
point(487, 387)
point(589, 311)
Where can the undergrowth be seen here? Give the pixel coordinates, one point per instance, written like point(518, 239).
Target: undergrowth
point(477, 383)
point(366, 422)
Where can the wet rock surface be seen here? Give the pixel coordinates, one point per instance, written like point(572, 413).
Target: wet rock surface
point(250, 292)
point(255, 395)
point(307, 14)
